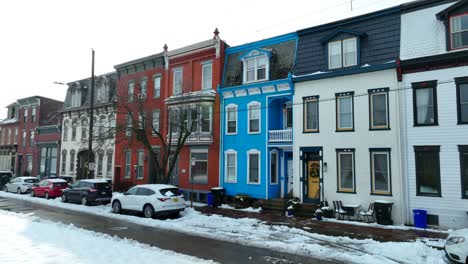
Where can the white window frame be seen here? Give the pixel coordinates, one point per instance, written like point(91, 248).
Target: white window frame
point(74, 132)
point(389, 189)
point(254, 152)
point(15, 136)
point(174, 87)
point(128, 163)
point(140, 165)
point(66, 124)
point(128, 125)
point(254, 103)
point(25, 115)
point(72, 161)
point(109, 163)
point(277, 167)
point(64, 161)
point(157, 88)
point(205, 66)
point(256, 58)
point(228, 107)
point(342, 57)
point(226, 154)
point(143, 88)
point(156, 113)
point(131, 90)
point(387, 125)
point(210, 107)
point(33, 114)
point(353, 168)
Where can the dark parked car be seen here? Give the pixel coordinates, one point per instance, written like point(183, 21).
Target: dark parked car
point(88, 192)
point(5, 177)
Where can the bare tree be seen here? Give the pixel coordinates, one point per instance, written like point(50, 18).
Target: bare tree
point(176, 124)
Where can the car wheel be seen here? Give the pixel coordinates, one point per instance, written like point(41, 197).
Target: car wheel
point(47, 195)
point(148, 211)
point(116, 207)
point(18, 191)
point(84, 200)
point(33, 194)
point(64, 198)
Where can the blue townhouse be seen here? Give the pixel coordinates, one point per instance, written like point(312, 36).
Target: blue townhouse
point(257, 118)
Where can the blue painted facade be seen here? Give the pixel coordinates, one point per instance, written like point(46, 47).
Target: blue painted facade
point(273, 94)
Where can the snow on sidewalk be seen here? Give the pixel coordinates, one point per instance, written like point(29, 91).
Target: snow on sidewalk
point(28, 239)
point(252, 232)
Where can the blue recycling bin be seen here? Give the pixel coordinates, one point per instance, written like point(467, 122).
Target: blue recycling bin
point(420, 218)
point(210, 199)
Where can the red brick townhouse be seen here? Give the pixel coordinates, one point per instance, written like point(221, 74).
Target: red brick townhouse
point(167, 82)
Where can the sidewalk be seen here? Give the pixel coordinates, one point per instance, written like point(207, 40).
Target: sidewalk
point(384, 234)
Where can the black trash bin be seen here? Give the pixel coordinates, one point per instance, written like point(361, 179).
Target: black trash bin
point(383, 212)
point(218, 196)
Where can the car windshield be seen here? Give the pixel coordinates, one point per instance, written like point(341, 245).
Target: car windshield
point(101, 186)
point(170, 192)
point(31, 180)
point(60, 184)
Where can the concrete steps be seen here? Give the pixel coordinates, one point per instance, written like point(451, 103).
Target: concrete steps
point(278, 207)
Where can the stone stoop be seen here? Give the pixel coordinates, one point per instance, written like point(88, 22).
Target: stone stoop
point(277, 207)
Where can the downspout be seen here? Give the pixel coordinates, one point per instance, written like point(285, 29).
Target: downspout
point(401, 140)
point(221, 136)
point(267, 158)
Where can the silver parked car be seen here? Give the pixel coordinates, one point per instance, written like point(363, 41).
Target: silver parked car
point(21, 184)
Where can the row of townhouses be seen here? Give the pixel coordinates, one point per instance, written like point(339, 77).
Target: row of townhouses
point(373, 107)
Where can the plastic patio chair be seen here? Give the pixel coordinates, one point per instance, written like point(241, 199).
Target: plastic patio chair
point(363, 214)
point(339, 210)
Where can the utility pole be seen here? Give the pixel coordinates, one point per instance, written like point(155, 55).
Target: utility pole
point(91, 165)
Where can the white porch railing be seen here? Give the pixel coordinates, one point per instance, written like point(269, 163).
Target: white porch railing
point(284, 135)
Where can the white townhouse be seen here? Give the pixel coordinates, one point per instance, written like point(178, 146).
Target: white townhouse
point(346, 119)
point(75, 128)
point(434, 61)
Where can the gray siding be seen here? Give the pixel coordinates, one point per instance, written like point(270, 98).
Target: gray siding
point(380, 45)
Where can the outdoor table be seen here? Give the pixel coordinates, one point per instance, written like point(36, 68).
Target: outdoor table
point(351, 209)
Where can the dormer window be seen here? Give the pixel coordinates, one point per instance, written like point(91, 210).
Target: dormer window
point(256, 66)
point(342, 53)
point(459, 31)
point(76, 98)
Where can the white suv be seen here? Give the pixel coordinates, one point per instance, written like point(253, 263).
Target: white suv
point(21, 184)
point(151, 199)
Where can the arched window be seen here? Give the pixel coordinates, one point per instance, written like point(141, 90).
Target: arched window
point(64, 161)
point(109, 159)
point(74, 125)
point(65, 130)
point(102, 127)
point(84, 128)
point(72, 162)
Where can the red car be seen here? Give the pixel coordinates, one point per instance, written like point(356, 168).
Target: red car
point(49, 188)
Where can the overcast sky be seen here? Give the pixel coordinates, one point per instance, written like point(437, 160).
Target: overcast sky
point(51, 40)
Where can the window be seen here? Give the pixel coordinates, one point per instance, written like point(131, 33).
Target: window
point(378, 109)
point(31, 138)
point(15, 136)
point(425, 103)
point(128, 164)
point(74, 124)
point(155, 121)
point(177, 86)
point(288, 116)
point(9, 136)
point(76, 98)
point(29, 162)
point(143, 87)
point(381, 182)
point(84, 128)
point(100, 160)
point(207, 73)
point(345, 111)
point(109, 163)
point(253, 167)
point(231, 166)
point(142, 120)
point(2, 136)
point(102, 91)
point(205, 124)
point(64, 161)
point(102, 127)
point(25, 116)
point(72, 161)
point(128, 120)
point(256, 69)
point(464, 169)
point(459, 31)
point(311, 113)
point(157, 86)
point(342, 53)
point(274, 167)
point(231, 119)
point(199, 166)
point(131, 90)
point(254, 117)
point(345, 166)
point(427, 170)
point(48, 162)
point(23, 139)
point(462, 100)
point(33, 115)
point(65, 130)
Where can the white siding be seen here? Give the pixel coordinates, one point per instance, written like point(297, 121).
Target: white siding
point(361, 139)
point(451, 208)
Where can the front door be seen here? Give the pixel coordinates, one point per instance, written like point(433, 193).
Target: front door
point(311, 176)
point(289, 177)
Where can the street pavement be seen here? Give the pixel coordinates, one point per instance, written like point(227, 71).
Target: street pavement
point(220, 251)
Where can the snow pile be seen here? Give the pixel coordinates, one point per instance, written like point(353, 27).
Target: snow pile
point(27, 239)
point(252, 232)
point(250, 209)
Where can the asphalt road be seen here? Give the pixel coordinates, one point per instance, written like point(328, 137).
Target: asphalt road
point(220, 251)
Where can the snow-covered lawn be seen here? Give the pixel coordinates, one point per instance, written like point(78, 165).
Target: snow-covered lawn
point(28, 239)
point(253, 232)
